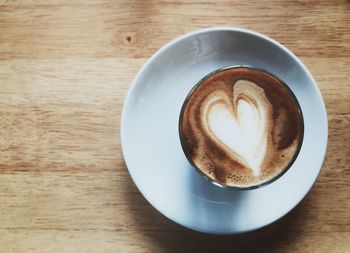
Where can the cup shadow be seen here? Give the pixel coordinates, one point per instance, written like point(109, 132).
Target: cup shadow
point(212, 205)
point(164, 235)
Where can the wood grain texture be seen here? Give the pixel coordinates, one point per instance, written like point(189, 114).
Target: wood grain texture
point(65, 68)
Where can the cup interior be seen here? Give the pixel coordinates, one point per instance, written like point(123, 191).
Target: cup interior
point(187, 151)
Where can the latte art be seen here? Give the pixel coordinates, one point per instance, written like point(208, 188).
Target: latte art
point(241, 127)
point(243, 131)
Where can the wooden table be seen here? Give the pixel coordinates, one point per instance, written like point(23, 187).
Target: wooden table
point(65, 68)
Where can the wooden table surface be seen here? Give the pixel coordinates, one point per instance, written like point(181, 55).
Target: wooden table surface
point(65, 68)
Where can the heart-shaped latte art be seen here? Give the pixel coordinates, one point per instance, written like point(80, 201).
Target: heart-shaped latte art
point(240, 124)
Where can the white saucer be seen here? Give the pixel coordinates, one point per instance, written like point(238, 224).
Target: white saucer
point(151, 145)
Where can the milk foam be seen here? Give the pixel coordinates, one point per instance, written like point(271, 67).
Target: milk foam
point(242, 129)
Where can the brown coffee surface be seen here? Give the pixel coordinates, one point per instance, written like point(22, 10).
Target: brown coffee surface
point(241, 127)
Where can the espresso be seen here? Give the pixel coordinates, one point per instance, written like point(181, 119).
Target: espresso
point(241, 127)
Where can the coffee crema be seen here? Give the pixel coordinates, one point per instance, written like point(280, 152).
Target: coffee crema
point(241, 127)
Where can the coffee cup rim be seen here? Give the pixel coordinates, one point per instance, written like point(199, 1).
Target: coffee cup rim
point(215, 182)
